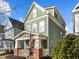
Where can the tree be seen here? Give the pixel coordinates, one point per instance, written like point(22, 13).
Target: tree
point(67, 47)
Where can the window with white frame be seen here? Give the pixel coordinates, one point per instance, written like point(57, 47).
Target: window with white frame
point(34, 12)
point(28, 28)
point(42, 26)
point(34, 27)
point(61, 32)
point(44, 44)
point(78, 14)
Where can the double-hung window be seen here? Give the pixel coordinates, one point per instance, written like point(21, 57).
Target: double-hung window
point(34, 27)
point(28, 28)
point(42, 26)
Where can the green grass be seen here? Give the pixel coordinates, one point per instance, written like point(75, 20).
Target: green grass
point(11, 56)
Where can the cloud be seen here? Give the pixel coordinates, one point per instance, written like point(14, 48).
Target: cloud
point(69, 27)
point(21, 19)
point(4, 7)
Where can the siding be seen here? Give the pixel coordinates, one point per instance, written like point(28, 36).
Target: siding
point(1, 36)
point(8, 25)
point(37, 22)
point(54, 35)
point(76, 22)
point(17, 31)
point(9, 33)
point(39, 13)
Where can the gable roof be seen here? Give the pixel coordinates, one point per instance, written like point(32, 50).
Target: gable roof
point(46, 12)
point(76, 8)
point(31, 7)
point(16, 23)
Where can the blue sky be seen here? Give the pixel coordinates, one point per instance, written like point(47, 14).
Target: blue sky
point(65, 8)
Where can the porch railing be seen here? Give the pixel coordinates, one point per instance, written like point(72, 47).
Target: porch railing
point(23, 52)
point(45, 52)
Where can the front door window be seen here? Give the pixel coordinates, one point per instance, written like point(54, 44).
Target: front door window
point(44, 44)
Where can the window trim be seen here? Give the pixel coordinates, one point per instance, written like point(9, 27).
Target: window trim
point(42, 26)
point(34, 26)
point(28, 27)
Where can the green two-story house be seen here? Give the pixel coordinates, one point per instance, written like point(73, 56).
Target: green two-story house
point(45, 21)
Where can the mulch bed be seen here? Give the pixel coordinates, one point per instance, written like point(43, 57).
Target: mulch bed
point(46, 57)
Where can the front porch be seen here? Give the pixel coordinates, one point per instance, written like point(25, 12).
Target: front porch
point(39, 48)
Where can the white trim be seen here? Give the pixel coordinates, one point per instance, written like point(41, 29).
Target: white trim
point(36, 19)
point(34, 4)
point(39, 6)
point(22, 39)
point(75, 8)
point(37, 34)
point(56, 22)
point(21, 33)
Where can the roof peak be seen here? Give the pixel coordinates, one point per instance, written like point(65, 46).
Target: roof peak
point(76, 7)
point(17, 23)
point(14, 19)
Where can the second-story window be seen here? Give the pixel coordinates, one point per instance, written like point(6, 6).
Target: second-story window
point(34, 12)
point(34, 27)
point(61, 33)
point(78, 15)
point(28, 28)
point(42, 26)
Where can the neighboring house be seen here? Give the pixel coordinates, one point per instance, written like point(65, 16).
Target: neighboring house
point(75, 16)
point(12, 28)
point(45, 21)
point(1, 32)
point(1, 35)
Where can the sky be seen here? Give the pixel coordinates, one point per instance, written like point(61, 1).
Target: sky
point(18, 9)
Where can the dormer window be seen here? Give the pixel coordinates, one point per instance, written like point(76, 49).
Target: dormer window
point(34, 12)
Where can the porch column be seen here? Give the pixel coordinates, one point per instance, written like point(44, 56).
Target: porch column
point(16, 48)
point(37, 48)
